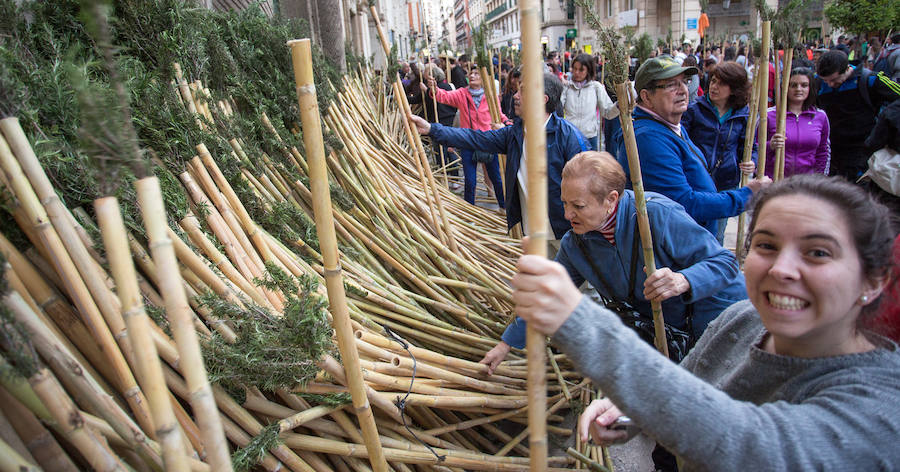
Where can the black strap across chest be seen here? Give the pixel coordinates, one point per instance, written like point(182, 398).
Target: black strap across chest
point(579, 241)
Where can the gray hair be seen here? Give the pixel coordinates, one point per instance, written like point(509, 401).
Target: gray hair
point(436, 72)
point(553, 88)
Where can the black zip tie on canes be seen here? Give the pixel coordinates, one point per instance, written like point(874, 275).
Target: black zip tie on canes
point(400, 403)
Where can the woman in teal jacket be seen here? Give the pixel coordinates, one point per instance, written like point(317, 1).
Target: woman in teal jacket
point(697, 279)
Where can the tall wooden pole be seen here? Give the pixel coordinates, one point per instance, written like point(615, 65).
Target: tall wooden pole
point(178, 312)
point(752, 119)
point(301, 56)
point(147, 362)
point(447, 231)
point(532, 90)
point(763, 69)
point(781, 100)
point(623, 92)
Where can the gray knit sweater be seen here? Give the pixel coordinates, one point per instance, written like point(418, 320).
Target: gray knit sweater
point(732, 406)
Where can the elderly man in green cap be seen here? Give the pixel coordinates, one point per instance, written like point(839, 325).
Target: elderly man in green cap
point(670, 163)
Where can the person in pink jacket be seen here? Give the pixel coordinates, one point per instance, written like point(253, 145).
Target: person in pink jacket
point(807, 149)
point(474, 113)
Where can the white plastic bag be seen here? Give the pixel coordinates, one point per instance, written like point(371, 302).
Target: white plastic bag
point(884, 170)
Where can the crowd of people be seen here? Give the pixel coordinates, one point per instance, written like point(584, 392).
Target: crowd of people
point(792, 360)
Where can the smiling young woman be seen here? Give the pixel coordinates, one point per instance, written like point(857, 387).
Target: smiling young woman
point(789, 380)
point(810, 280)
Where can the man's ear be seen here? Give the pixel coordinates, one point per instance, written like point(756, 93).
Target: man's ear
point(644, 98)
point(546, 99)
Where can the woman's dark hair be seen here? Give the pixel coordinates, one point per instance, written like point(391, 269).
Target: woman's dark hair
point(689, 61)
point(730, 53)
point(587, 61)
point(515, 73)
point(733, 75)
point(810, 101)
point(872, 227)
point(742, 51)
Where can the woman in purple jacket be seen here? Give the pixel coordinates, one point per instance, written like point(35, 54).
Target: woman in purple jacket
point(807, 149)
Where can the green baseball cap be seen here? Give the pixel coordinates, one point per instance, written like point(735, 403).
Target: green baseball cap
point(660, 67)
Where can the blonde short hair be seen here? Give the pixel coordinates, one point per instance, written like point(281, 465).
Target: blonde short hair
point(603, 172)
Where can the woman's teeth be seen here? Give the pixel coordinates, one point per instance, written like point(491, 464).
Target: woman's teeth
point(784, 302)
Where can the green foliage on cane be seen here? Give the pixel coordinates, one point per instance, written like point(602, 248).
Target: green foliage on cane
point(789, 23)
point(643, 47)
point(863, 16)
point(271, 351)
point(766, 13)
point(479, 39)
point(22, 359)
point(248, 456)
point(393, 64)
point(289, 224)
point(331, 399)
point(610, 42)
point(53, 75)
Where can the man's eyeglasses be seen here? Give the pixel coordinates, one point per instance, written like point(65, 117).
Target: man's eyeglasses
point(673, 85)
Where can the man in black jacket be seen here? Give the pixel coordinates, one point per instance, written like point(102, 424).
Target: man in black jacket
point(459, 72)
point(851, 97)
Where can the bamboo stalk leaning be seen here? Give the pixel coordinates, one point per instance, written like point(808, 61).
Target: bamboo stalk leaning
point(782, 112)
point(763, 71)
point(301, 57)
point(147, 360)
point(752, 120)
point(623, 90)
point(63, 260)
point(181, 321)
point(618, 73)
point(532, 108)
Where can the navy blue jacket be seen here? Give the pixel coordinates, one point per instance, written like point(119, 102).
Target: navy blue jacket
point(563, 142)
point(673, 166)
point(678, 243)
point(722, 144)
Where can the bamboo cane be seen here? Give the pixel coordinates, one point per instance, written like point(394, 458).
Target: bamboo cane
point(532, 89)
point(40, 442)
point(434, 105)
point(63, 263)
point(301, 57)
point(13, 459)
point(66, 414)
point(75, 376)
point(417, 142)
point(782, 112)
point(776, 93)
point(181, 321)
point(147, 364)
point(14, 444)
point(586, 460)
point(763, 71)
point(752, 119)
point(623, 91)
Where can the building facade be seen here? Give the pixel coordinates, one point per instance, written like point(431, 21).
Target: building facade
point(502, 20)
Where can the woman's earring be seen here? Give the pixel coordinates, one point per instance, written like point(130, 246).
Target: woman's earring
point(864, 299)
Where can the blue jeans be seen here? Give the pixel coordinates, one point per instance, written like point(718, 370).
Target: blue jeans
point(470, 172)
point(594, 143)
point(609, 130)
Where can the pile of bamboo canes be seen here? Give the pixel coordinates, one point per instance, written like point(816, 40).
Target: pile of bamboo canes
point(120, 392)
